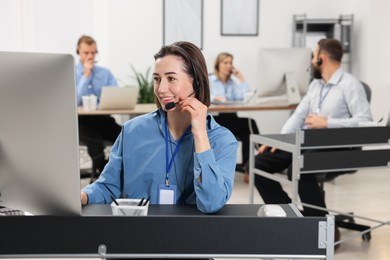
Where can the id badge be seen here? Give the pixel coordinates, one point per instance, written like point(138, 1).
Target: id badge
point(166, 194)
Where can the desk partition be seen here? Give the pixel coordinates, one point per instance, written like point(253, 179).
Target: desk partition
point(169, 231)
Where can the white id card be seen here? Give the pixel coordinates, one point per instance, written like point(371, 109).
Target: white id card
point(166, 194)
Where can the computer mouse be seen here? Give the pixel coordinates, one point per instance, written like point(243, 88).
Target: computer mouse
point(271, 210)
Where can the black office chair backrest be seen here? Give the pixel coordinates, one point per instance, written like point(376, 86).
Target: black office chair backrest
point(368, 91)
point(329, 176)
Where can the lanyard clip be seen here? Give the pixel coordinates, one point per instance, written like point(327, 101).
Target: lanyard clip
point(167, 182)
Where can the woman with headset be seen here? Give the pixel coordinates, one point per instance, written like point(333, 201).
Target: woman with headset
point(224, 88)
point(177, 148)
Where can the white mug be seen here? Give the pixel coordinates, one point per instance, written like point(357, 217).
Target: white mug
point(89, 102)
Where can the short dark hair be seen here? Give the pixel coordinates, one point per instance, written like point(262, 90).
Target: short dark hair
point(332, 48)
point(85, 39)
point(194, 65)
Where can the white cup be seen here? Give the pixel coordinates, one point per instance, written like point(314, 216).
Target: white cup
point(93, 102)
point(89, 102)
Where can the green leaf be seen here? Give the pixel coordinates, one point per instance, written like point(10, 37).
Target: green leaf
point(146, 86)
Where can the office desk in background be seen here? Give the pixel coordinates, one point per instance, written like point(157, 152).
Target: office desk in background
point(146, 108)
point(173, 231)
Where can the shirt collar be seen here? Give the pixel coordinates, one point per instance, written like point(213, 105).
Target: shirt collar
point(161, 115)
point(336, 77)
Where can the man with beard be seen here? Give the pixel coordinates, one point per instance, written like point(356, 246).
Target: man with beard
point(334, 99)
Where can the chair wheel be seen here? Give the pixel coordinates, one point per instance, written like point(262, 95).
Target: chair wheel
point(366, 236)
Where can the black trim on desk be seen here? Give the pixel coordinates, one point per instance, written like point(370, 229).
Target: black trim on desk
point(151, 235)
point(346, 136)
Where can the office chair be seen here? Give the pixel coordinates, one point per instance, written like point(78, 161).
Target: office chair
point(85, 160)
point(345, 221)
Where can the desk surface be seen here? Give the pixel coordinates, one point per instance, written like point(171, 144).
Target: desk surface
point(146, 108)
point(190, 210)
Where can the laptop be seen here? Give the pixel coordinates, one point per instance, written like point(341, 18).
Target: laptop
point(116, 98)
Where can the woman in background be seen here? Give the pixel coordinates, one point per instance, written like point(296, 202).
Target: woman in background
point(223, 88)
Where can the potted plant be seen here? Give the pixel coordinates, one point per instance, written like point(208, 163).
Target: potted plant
point(146, 86)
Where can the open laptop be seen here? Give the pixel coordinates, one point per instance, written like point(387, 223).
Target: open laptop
point(115, 98)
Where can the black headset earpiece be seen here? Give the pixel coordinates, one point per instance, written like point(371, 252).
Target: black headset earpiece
point(319, 62)
point(195, 83)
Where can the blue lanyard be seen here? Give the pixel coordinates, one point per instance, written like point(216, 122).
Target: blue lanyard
point(168, 164)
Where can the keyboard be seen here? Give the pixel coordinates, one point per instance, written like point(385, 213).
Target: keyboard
point(5, 211)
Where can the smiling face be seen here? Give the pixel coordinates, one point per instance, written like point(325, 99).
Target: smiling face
point(170, 80)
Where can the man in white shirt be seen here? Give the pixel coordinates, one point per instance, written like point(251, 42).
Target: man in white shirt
point(334, 99)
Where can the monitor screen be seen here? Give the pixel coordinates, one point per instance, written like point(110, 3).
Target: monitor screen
point(39, 157)
point(283, 71)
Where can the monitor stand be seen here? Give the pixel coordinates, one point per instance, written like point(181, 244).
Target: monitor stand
point(290, 96)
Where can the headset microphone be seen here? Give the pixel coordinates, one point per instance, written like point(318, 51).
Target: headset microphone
point(172, 104)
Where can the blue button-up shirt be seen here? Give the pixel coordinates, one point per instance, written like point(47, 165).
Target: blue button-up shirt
point(92, 85)
point(231, 90)
point(139, 153)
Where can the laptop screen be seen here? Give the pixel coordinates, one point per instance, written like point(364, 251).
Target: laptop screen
point(115, 98)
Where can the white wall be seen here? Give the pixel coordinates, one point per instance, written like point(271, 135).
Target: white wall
point(130, 32)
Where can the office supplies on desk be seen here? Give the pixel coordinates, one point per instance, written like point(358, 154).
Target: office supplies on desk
point(118, 98)
point(129, 207)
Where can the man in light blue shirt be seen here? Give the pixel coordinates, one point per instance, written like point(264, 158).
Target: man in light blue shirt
point(334, 99)
point(94, 130)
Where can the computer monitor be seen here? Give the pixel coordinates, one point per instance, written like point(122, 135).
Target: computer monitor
point(39, 156)
point(283, 72)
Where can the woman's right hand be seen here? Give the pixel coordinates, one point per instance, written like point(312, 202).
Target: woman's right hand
point(238, 74)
